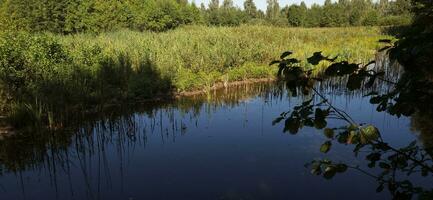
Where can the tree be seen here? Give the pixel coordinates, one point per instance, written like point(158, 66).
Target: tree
point(273, 9)
point(314, 15)
point(250, 8)
point(400, 7)
point(182, 2)
point(227, 4)
point(75, 16)
point(297, 15)
point(214, 5)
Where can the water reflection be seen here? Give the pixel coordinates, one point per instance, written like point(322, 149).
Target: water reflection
point(402, 97)
point(216, 146)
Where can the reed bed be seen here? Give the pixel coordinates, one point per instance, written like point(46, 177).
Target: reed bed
point(195, 56)
point(44, 75)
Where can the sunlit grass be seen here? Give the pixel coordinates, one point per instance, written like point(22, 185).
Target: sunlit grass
point(192, 53)
point(43, 74)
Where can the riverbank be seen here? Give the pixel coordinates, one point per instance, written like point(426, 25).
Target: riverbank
point(45, 76)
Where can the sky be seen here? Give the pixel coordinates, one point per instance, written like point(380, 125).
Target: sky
point(261, 4)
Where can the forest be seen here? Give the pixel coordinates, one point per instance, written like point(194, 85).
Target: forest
point(95, 16)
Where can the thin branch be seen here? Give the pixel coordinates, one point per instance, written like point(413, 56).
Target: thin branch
point(338, 111)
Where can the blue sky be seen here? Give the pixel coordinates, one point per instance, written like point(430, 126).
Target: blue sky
point(261, 4)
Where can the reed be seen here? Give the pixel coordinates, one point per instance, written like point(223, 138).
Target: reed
point(53, 73)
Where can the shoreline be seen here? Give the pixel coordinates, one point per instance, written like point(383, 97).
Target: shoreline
point(221, 85)
point(7, 130)
point(217, 86)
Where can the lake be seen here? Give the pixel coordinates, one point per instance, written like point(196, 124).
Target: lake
point(220, 145)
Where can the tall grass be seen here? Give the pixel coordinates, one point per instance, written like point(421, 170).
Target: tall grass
point(51, 73)
point(191, 52)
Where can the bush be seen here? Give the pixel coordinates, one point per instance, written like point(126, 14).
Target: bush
point(395, 20)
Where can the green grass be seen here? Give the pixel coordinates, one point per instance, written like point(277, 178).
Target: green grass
point(52, 73)
point(194, 56)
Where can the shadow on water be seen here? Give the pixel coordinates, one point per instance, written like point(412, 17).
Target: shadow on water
point(52, 86)
point(84, 144)
point(99, 157)
point(220, 145)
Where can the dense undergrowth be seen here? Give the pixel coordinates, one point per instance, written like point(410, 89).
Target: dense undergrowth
point(43, 77)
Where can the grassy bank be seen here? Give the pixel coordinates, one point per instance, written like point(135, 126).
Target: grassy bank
point(193, 57)
point(45, 74)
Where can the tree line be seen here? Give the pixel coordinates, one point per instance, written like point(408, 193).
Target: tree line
point(76, 16)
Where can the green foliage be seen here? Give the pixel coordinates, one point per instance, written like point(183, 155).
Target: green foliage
point(297, 15)
point(251, 9)
point(365, 138)
point(37, 73)
point(226, 15)
point(399, 20)
point(55, 73)
point(96, 16)
point(349, 13)
point(73, 16)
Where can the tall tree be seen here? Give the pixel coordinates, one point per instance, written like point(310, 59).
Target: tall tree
point(273, 9)
point(296, 15)
point(250, 8)
point(214, 5)
point(228, 4)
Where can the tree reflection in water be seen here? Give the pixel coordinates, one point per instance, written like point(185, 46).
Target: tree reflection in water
point(86, 143)
point(91, 144)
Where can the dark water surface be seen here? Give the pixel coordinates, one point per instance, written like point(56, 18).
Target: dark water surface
point(217, 146)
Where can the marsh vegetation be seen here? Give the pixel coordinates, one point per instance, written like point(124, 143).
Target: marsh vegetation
point(43, 76)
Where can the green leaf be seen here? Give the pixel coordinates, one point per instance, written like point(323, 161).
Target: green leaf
point(330, 172)
point(329, 133)
point(341, 168)
point(292, 125)
point(326, 147)
point(343, 137)
point(369, 133)
point(320, 123)
point(353, 137)
point(316, 168)
point(321, 114)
